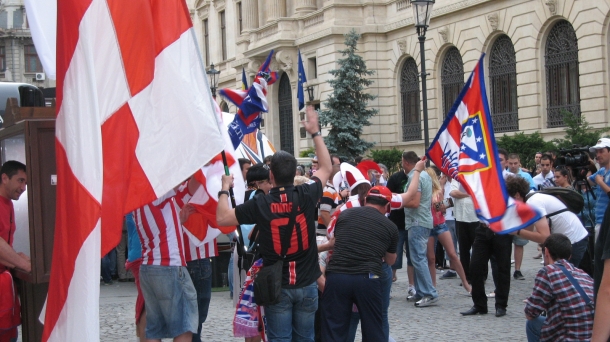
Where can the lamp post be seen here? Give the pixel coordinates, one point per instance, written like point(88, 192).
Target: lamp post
point(310, 92)
point(422, 10)
point(213, 73)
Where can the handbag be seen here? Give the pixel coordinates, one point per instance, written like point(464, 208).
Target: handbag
point(268, 280)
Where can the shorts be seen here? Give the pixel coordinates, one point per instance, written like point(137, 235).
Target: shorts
point(518, 241)
point(438, 230)
point(171, 301)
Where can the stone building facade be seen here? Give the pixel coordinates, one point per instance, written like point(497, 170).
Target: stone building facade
point(543, 57)
point(19, 61)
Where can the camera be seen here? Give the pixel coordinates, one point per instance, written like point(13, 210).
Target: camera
point(575, 159)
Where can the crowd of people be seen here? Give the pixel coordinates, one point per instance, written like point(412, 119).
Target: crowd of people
point(340, 232)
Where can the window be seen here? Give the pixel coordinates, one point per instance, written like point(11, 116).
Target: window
point(239, 17)
point(206, 41)
point(32, 62)
point(18, 19)
point(286, 114)
point(2, 59)
point(223, 35)
point(561, 64)
point(224, 107)
point(503, 79)
point(409, 100)
point(452, 78)
point(312, 67)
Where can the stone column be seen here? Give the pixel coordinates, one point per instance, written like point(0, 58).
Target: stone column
point(305, 6)
point(275, 9)
point(249, 11)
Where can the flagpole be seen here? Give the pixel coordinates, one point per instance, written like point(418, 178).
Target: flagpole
point(240, 238)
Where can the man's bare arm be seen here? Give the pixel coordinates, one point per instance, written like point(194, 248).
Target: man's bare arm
point(390, 258)
point(10, 258)
point(225, 216)
point(542, 231)
point(324, 162)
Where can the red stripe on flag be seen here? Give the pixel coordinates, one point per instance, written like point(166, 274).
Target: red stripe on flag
point(67, 38)
point(136, 40)
point(170, 19)
point(125, 183)
point(72, 228)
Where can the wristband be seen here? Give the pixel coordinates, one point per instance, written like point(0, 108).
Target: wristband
point(223, 192)
point(316, 134)
point(417, 171)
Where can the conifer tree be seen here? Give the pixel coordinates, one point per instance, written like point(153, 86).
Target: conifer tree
point(346, 108)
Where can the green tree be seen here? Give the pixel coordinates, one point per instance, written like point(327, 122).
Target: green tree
point(346, 108)
point(390, 158)
point(578, 132)
point(526, 146)
point(310, 152)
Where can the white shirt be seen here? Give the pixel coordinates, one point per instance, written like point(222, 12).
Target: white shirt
point(566, 223)
point(449, 211)
point(464, 207)
point(539, 179)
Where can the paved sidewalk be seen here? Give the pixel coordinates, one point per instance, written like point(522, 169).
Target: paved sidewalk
point(442, 322)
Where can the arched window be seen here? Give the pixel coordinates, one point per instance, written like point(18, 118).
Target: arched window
point(285, 108)
point(452, 78)
point(503, 79)
point(561, 64)
point(409, 98)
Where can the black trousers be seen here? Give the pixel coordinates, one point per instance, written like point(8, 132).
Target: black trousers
point(466, 234)
point(486, 244)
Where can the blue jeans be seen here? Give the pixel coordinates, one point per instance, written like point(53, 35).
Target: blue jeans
point(106, 265)
point(418, 246)
point(401, 246)
point(578, 251)
point(201, 275)
point(533, 327)
point(292, 319)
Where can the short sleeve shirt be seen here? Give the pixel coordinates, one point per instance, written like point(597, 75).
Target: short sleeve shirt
point(463, 207)
point(7, 222)
point(271, 213)
point(420, 216)
point(602, 199)
point(565, 223)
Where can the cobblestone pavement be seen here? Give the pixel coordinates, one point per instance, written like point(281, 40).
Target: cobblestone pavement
point(442, 322)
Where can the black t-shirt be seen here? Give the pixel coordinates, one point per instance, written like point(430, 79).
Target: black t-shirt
point(396, 184)
point(602, 249)
point(271, 213)
point(362, 237)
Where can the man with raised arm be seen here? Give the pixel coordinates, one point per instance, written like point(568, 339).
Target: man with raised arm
point(293, 317)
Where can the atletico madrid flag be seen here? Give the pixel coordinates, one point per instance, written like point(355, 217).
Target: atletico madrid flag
point(134, 119)
point(465, 148)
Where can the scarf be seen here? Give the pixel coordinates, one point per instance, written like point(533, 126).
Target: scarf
point(247, 321)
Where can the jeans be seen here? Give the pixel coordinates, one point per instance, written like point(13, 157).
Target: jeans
point(533, 327)
point(201, 275)
point(341, 292)
point(292, 319)
point(106, 265)
point(418, 246)
point(401, 246)
point(578, 251)
point(486, 244)
point(466, 234)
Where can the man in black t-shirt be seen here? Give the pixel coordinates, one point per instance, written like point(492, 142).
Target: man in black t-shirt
point(271, 213)
point(397, 183)
point(364, 238)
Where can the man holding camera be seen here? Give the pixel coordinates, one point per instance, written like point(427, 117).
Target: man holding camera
point(602, 179)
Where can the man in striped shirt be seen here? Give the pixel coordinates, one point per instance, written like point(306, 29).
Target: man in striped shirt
point(569, 314)
point(169, 294)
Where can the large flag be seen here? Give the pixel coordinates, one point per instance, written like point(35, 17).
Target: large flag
point(42, 21)
point(465, 148)
point(134, 119)
point(251, 103)
point(302, 79)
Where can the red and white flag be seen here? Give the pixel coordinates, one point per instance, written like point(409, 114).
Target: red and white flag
point(134, 119)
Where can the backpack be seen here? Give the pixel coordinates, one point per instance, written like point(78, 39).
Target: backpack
point(573, 200)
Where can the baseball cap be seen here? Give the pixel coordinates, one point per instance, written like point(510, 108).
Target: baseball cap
point(601, 143)
point(380, 191)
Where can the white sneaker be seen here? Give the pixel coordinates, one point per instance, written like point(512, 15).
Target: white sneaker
point(426, 301)
point(411, 291)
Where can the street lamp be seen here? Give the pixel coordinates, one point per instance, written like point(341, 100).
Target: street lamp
point(213, 73)
point(310, 92)
point(422, 10)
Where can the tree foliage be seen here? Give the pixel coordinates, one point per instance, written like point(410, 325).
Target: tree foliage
point(390, 158)
point(526, 146)
point(310, 152)
point(578, 132)
point(346, 108)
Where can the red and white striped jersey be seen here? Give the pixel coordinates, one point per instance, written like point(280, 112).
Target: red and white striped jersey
point(353, 202)
point(192, 252)
point(160, 230)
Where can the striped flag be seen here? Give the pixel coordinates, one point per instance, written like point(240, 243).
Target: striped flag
point(465, 148)
point(134, 119)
